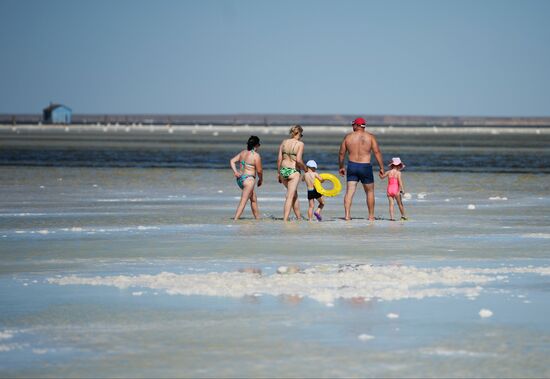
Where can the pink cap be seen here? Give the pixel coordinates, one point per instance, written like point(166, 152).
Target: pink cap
point(396, 162)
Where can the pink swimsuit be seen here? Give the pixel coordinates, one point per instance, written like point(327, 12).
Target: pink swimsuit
point(393, 187)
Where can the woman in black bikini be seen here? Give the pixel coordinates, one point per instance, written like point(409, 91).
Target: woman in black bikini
point(289, 162)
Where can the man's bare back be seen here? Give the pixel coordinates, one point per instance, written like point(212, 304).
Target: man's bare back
point(359, 145)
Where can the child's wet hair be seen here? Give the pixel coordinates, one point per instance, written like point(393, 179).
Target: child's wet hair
point(253, 141)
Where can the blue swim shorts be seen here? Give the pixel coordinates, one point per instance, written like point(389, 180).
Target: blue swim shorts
point(360, 172)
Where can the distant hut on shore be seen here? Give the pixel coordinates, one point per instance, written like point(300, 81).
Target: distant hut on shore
point(57, 114)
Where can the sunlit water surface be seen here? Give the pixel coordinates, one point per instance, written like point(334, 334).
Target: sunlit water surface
point(141, 272)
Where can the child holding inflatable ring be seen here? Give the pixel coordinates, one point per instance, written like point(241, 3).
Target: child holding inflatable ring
point(312, 194)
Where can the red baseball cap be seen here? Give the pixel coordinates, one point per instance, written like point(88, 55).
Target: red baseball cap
point(359, 121)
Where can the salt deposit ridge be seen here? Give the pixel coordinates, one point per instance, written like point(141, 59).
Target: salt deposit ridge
point(276, 129)
point(324, 283)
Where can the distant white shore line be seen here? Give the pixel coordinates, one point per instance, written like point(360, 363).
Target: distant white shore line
point(258, 129)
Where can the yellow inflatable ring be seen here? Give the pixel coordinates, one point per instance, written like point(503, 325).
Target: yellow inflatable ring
point(336, 185)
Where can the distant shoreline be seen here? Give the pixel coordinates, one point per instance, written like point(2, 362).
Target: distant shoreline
point(272, 129)
point(274, 120)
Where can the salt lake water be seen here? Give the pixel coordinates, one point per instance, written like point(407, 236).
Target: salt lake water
point(116, 261)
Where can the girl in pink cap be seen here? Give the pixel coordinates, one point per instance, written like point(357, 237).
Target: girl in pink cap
point(395, 186)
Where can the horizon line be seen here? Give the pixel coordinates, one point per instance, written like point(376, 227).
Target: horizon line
point(275, 114)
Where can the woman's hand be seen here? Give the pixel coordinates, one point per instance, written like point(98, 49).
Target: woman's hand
point(237, 174)
point(279, 178)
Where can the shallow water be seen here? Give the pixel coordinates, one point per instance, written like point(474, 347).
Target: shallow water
point(202, 147)
point(135, 272)
point(112, 264)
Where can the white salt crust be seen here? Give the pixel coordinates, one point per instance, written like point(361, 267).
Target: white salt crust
point(323, 284)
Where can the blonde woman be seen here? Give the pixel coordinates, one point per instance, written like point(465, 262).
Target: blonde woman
point(289, 163)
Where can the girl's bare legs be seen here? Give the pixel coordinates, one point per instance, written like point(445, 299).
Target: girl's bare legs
point(400, 205)
point(254, 204)
point(310, 209)
point(390, 199)
point(291, 185)
point(245, 195)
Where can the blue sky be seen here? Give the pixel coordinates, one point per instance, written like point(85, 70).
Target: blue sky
point(477, 58)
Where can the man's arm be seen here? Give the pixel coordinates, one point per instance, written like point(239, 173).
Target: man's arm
point(342, 157)
point(377, 155)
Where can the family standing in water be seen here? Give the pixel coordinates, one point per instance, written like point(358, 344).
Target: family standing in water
point(359, 145)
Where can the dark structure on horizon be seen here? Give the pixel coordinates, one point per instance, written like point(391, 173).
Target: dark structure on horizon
point(57, 114)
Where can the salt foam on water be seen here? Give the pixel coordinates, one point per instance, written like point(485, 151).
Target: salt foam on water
point(365, 337)
point(385, 283)
point(6, 335)
point(536, 235)
point(460, 353)
point(485, 313)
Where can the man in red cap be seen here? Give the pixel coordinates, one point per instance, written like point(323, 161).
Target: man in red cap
point(359, 145)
